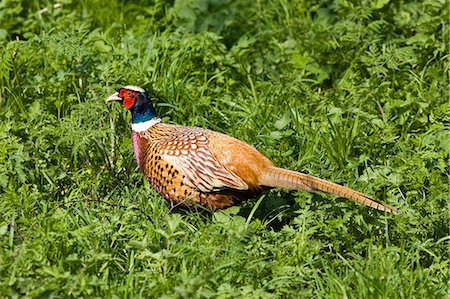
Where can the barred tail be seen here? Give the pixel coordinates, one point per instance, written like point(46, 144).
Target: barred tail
point(283, 178)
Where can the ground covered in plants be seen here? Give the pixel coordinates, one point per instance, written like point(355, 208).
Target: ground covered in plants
point(356, 92)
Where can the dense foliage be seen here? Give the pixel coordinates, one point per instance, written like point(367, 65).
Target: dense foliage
point(356, 92)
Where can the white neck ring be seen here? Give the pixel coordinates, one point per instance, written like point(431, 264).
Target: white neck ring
point(144, 126)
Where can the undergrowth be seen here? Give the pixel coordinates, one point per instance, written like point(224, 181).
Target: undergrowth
point(355, 92)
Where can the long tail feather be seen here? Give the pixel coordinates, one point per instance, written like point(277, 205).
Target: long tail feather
point(283, 178)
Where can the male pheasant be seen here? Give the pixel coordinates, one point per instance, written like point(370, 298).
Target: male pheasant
point(190, 165)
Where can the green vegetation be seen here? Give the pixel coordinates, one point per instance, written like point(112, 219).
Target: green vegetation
point(356, 92)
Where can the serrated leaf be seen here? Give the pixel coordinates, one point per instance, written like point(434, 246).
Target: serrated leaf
point(283, 121)
point(276, 135)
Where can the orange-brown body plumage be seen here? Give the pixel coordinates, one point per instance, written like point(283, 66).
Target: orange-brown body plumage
point(191, 165)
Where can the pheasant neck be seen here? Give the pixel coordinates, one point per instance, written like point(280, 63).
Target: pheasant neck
point(143, 115)
point(143, 112)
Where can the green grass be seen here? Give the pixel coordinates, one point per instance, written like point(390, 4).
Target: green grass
point(356, 92)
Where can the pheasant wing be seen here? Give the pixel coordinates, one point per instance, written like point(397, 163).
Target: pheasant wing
point(189, 154)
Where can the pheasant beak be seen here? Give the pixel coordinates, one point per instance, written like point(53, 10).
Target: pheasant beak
point(114, 97)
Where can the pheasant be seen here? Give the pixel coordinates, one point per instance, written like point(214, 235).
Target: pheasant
point(196, 166)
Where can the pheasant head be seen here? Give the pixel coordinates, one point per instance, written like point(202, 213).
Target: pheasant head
point(136, 100)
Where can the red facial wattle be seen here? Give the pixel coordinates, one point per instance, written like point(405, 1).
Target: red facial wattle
point(129, 97)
